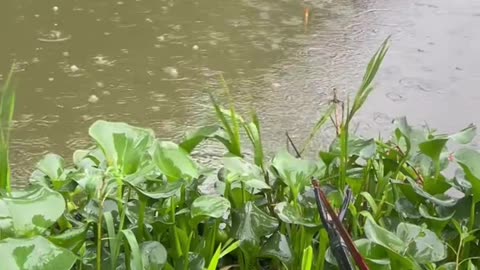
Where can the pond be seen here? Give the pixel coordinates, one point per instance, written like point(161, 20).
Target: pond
point(149, 63)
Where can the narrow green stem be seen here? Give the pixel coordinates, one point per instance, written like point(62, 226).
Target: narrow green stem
point(176, 238)
point(322, 249)
point(141, 218)
point(187, 259)
point(471, 224)
point(344, 157)
point(244, 200)
point(99, 236)
point(123, 212)
point(211, 242)
point(459, 250)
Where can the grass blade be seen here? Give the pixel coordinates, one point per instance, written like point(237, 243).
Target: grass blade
point(307, 258)
point(366, 86)
point(7, 105)
point(135, 255)
point(233, 133)
point(318, 126)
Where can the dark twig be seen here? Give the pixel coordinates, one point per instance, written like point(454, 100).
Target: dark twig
point(290, 141)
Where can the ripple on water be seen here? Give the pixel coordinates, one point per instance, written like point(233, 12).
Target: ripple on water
point(53, 36)
point(423, 85)
point(395, 96)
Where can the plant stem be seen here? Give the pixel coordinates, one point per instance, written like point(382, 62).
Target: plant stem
point(471, 224)
point(141, 217)
point(99, 236)
point(344, 156)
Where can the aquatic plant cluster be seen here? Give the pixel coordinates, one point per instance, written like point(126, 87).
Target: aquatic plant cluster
point(135, 202)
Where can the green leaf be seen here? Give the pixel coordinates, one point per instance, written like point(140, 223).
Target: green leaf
point(136, 262)
point(288, 214)
point(209, 206)
point(466, 135)
point(154, 255)
point(192, 139)
point(365, 149)
point(382, 237)
point(34, 253)
point(425, 213)
point(412, 136)
point(433, 148)
point(328, 157)
point(375, 255)
point(161, 191)
point(253, 131)
point(438, 199)
point(307, 258)
point(448, 266)
point(295, 173)
point(51, 165)
point(406, 208)
point(71, 239)
point(277, 247)
point(423, 244)
point(237, 169)
point(469, 160)
point(175, 162)
point(250, 224)
point(123, 145)
point(32, 211)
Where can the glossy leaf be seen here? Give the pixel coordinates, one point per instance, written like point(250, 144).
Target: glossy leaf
point(34, 253)
point(209, 206)
point(469, 160)
point(52, 165)
point(122, 144)
point(376, 256)
point(406, 208)
point(250, 224)
point(466, 135)
point(439, 199)
point(32, 211)
point(288, 214)
point(175, 162)
point(423, 244)
point(425, 213)
point(154, 255)
point(294, 172)
point(277, 247)
point(192, 139)
point(433, 148)
point(383, 237)
point(71, 239)
point(237, 169)
point(162, 191)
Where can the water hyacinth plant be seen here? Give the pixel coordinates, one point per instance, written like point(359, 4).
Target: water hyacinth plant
point(135, 202)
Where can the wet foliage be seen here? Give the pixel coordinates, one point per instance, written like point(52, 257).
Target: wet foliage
point(136, 202)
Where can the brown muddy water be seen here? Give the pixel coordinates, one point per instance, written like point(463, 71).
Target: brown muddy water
point(147, 62)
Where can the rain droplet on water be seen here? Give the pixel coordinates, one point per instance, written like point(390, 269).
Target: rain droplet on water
point(93, 99)
point(171, 71)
